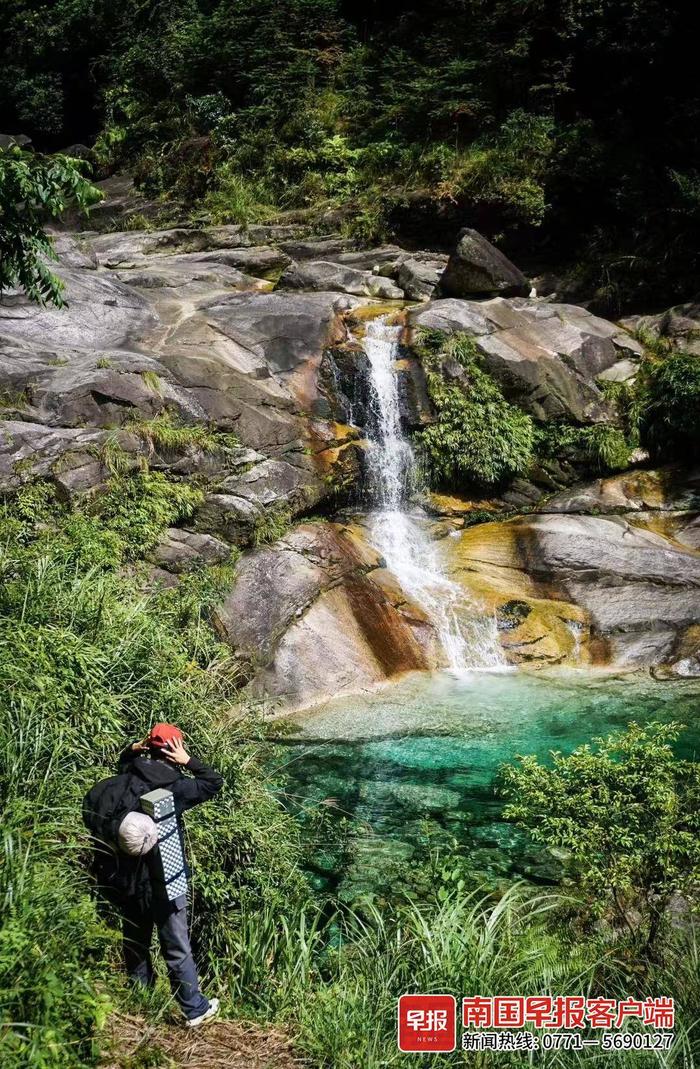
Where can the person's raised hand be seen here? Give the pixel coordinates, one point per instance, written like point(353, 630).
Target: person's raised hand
point(141, 746)
point(176, 752)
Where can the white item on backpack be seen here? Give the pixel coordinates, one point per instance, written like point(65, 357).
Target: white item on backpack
point(137, 835)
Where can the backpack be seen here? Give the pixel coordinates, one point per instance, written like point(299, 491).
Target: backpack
point(107, 803)
point(104, 807)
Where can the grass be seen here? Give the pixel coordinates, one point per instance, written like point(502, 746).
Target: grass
point(271, 525)
point(350, 967)
point(151, 379)
point(88, 659)
point(165, 431)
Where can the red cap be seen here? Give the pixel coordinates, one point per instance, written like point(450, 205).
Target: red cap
point(162, 734)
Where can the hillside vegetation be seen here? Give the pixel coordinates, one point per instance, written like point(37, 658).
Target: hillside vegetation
point(569, 130)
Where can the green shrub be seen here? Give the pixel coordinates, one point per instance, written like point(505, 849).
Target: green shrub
point(237, 198)
point(626, 811)
point(670, 416)
point(478, 438)
point(138, 508)
point(33, 189)
point(271, 525)
point(599, 448)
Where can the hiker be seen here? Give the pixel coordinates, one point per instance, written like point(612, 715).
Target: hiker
point(128, 869)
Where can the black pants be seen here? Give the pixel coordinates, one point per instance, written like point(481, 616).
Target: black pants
point(170, 921)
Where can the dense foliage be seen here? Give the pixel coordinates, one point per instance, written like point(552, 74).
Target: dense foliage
point(33, 190)
point(477, 437)
point(667, 405)
point(479, 440)
point(570, 128)
point(626, 813)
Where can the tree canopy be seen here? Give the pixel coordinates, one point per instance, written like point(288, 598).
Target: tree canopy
point(34, 189)
point(569, 130)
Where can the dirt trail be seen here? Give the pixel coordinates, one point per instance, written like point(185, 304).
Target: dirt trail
point(133, 1041)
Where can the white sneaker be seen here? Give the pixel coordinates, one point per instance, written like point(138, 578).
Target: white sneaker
point(194, 1022)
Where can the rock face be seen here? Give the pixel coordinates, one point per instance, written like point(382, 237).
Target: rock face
point(630, 592)
point(320, 275)
point(164, 322)
point(329, 621)
point(419, 278)
point(546, 357)
point(256, 334)
point(664, 491)
point(477, 268)
point(679, 326)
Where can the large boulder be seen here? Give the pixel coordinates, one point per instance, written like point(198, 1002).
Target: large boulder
point(636, 590)
point(329, 622)
point(664, 490)
point(546, 357)
point(419, 278)
point(478, 268)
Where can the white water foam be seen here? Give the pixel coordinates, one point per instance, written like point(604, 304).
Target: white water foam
point(468, 636)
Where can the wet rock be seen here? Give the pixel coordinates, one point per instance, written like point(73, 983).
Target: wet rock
point(320, 275)
point(278, 330)
point(477, 267)
point(414, 402)
point(622, 594)
point(325, 626)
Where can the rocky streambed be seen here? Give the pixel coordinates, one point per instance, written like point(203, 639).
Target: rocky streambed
point(257, 333)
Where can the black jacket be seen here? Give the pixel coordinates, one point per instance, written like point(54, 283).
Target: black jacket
point(188, 791)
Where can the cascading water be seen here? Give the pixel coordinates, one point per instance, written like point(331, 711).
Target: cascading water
point(469, 639)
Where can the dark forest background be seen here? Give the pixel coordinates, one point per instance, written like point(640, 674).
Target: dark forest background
point(568, 131)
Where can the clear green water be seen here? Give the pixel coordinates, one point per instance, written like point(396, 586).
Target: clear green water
point(414, 766)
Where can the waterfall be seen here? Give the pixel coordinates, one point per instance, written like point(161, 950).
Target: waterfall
point(398, 531)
